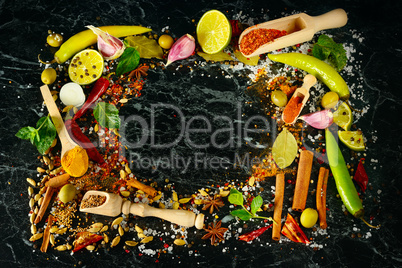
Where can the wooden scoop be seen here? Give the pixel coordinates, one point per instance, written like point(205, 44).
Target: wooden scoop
point(302, 92)
point(114, 205)
point(300, 28)
point(66, 142)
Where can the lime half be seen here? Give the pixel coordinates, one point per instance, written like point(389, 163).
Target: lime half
point(352, 139)
point(213, 32)
point(86, 67)
point(343, 116)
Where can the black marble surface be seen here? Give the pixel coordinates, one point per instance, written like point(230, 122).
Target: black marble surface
point(23, 30)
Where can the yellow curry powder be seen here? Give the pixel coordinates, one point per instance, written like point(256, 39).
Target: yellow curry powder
point(75, 162)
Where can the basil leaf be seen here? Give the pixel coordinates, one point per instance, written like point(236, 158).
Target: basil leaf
point(256, 204)
point(242, 214)
point(107, 115)
point(327, 49)
point(235, 197)
point(128, 61)
point(26, 133)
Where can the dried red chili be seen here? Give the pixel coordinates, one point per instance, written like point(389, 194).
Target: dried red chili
point(83, 239)
point(293, 231)
point(254, 234)
point(361, 176)
point(292, 109)
point(258, 37)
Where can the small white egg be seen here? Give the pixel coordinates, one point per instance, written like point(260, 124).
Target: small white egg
point(72, 94)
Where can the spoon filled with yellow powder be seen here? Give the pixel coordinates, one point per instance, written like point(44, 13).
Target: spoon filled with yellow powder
point(74, 158)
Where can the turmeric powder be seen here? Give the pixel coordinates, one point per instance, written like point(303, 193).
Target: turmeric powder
point(75, 162)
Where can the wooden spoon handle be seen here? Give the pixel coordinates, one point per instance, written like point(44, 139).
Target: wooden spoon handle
point(309, 81)
point(333, 19)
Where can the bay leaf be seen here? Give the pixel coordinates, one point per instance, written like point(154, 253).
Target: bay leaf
point(148, 48)
point(220, 56)
point(107, 115)
point(284, 150)
point(253, 61)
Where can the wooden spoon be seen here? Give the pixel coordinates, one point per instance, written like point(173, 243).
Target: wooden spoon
point(66, 142)
point(302, 92)
point(300, 28)
point(114, 205)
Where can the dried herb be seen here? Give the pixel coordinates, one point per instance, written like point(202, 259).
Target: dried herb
point(236, 198)
point(284, 149)
point(107, 115)
point(215, 232)
point(327, 49)
point(147, 48)
point(213, 203)
point(220, 56)
point(129, 60)
point(42, 136)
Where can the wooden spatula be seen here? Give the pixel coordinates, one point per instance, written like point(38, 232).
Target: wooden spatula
point(300, 28)
point(114, 205)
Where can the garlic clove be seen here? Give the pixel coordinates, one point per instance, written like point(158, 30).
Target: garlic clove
point(72, 94)
point(320, 120)
point(109, 46)
point(183, 48)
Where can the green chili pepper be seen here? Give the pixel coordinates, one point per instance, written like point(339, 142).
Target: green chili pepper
point(323, 71)
point(344, 183)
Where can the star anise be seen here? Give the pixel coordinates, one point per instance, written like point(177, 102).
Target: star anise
point(215, 232)
point(213, 203)
point(139, 71)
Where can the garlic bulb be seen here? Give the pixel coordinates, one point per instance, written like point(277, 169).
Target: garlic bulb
point(181, 49)
point(109, 46)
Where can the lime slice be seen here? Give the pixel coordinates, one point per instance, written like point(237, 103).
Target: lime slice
point(352, 139)
point(213, 32)
point(343, 116)
point(86, 67)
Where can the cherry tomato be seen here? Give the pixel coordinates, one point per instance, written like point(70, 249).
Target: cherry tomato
point(165, 41)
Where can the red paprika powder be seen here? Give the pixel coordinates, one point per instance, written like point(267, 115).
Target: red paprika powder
point(258, 37)
point(292, 109)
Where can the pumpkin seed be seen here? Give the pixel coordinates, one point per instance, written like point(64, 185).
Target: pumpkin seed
point(147, 239)
point(117, 221)
point(61, 248)
point(90, 247)
point(36, 210)
point(36, 237)
point(131, 243)
point(31, 182)
point(179, 242)
point(51, 165)
point(115, 241)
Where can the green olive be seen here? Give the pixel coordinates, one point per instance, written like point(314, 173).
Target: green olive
point(54, 39)
point(48, 76)
point(329, 100)
point(67, 193)
point(279, 98)
point(309, 217)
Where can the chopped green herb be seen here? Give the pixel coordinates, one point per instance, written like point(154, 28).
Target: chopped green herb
point(327, 49)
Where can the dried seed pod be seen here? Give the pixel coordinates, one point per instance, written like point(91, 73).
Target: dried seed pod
point(37, 197)
point(52, 240)
point(121, 231)
point(184, 200)
point(156, 198)
point(40, 170)
point(198, 201)
point(36, 210)
point(32, 217)
point(36, 237)
point(96, 128)
point(53, 143)
point(131, 243)
point(125, 193)
point(56, 170)
point(117, 221)
point(62, 231)
point(40, 201)
point(141, 235)
point(161, 205)
point(203, 193)
point(31, 203)
point(46, 160)
point(176, 205)
point(68, 246)
point(123, 100)
point(179, 242)
point(31, 182)
point(54, 229)
point(224, 193)
point(96, 227)
point(115, 241)
point(127, 169)
point(123, 174)
point(147, 239)
point(138, 229)
point(106, 238)
point(174, 197)
point(61, 248)
point(30, 191)
point(33, 229)
point(90, 247)
point(104, 229)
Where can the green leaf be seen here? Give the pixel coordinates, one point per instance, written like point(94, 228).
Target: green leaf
point(107, 115)
point(256, 204)
point(242, 214)
point(284, 149)
point(235, 197)
point(327, 49)
point(148, 48)
point(129, 60)
point(220, 56)
point(26, 133)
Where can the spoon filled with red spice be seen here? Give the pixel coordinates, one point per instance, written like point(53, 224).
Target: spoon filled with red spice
point(287, 31)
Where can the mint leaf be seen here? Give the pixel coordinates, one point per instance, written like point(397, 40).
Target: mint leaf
point(42, 136)
point(327, 49)
point(256, 204)
point(242, 214)
point(128, 61)
point(235, 197)
point(107, 115)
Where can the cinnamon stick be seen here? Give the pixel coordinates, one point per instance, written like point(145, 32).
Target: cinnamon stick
point(140, 186)
point(58, 181)
point(46, 234)
point(321, 196)
point(45, 203)
point(279, 192)
point(302, 180)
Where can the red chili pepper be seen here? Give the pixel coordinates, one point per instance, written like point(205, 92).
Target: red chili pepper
point(235, 28)
point(83, 239)
point(76, 134)
point(361, 176)
point(293, 231)
point(97, 91)
point(254, 234)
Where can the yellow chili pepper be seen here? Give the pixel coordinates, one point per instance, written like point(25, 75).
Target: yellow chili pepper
point(323, 71)
point(86, 38)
